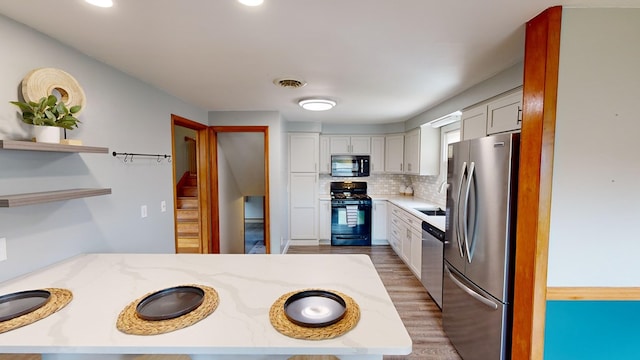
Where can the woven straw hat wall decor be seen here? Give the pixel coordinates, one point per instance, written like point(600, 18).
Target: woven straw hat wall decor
point(43, 82)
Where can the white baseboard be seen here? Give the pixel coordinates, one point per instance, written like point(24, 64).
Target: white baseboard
point(310, 242)
point(379, 242)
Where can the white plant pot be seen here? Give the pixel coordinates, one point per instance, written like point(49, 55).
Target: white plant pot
point(47, 134)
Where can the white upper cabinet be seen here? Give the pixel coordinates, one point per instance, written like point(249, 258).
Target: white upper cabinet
point(505, 114)
point(394, 153)
point(376, 164)
point(422, 151)
point(502, 114)
point(325, 155)
point(412, 152)
point(303, 152)
point(360, 145)
point(474, 122)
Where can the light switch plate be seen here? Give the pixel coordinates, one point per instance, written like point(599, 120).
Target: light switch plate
point(3, 249)
point(163, 206)
point(143, 211)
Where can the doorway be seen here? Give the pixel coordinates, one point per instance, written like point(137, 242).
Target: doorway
point(191, 189)
point(240, 170)
point(254, 225)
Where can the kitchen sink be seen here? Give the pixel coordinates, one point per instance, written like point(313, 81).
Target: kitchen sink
point(433, 212)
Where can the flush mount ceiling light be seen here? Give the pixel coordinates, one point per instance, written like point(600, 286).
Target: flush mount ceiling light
point(101, 3)
point(317, 104)
point(251, 2)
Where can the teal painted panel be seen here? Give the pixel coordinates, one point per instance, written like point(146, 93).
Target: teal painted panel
point(590, 330)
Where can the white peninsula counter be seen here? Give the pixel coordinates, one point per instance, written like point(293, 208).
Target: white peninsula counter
point(247, 285)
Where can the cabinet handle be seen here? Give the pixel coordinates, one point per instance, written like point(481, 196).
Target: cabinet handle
point(400, 166)
point(519, 114)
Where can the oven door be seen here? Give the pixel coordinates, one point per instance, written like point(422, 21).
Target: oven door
point(350, 224)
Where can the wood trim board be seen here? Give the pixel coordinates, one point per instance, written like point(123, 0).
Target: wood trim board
point(541, 65)
point(593, 293)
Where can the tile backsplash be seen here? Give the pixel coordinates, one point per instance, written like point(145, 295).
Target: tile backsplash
point(425, 187)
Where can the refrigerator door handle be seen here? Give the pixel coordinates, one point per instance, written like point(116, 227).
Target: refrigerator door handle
point(456, 215)
point(465, 218)
point(492, 305)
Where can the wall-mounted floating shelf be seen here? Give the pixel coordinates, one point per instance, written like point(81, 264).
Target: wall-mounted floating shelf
point(49, 196)
point(36, 146)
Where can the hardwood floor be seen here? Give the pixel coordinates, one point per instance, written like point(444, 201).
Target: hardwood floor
point(420, 314)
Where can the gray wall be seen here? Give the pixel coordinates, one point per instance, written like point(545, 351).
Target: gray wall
point(593, 237)
point(123, 114)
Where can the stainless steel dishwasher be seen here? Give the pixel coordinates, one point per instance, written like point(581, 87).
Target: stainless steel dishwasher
point(432, 261)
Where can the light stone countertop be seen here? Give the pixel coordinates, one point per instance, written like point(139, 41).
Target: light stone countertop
point(411, 203)
point(103, 284)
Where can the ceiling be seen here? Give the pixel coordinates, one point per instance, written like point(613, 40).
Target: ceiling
point(383, 61)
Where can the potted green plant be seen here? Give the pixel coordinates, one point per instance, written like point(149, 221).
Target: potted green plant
point(48, 114)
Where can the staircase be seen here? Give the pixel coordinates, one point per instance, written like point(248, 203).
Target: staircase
point(188, 216)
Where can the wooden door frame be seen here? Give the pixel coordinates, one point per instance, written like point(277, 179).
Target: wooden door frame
point(541, 66)
point(203, 176)
point(213, 155)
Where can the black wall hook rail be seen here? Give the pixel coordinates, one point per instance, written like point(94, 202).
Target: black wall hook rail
point(129, 156)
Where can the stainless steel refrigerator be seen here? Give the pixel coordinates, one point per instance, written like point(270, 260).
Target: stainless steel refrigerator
point(480, 246)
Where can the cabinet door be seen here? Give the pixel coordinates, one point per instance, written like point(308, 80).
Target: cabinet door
point(394, 153)
point(361, 145)
point(406, 244)
point(340, 144)
point(505, 114)
point(416, 252)
point(474, 122)
point(325, 155)
point(303, 206)
point(429, 150)
point(303, 152)
point(379, 225)
point(325, 219)
point(377, 155)
point(412, 152)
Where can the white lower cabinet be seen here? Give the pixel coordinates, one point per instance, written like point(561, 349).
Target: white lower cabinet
point(303, 216)
point(379, 221)
point(405, 237)
point(325, 219)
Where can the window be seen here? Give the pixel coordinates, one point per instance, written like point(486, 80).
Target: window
point(448, 135)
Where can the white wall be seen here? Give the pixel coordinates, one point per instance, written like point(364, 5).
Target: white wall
point(181, 161)
point(277, 164)
point(231, 208)
point(123, 114)
point(253, 207)
point(595, 205)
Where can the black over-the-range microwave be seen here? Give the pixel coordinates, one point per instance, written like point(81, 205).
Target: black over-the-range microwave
point(349, 165)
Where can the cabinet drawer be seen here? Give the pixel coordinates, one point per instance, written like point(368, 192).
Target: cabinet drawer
point(396, 220)
point(412, 221)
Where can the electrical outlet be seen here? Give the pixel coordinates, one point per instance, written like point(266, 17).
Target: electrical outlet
point(3, 249)
point(163, 206)
point(143, 211)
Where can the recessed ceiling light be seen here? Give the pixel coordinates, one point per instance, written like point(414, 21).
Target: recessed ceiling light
point(251, 2)
point(101, 3)
point(317, 104)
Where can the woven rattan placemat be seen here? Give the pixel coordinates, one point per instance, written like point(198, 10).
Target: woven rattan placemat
point(280, 322)
point(129, 322)
point(58, 299)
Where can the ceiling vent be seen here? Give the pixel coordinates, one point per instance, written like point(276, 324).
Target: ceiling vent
point(289, 83)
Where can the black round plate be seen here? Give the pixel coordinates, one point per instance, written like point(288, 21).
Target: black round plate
point(314, 308)
point(20, 303)
point(170, 303)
